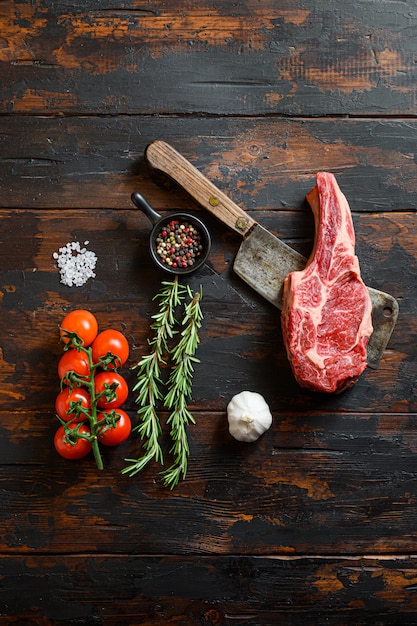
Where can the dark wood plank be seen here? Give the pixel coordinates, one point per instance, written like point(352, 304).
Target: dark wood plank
point(246, 58)
point(261, 163)
point(109, 591)
point(316, 483)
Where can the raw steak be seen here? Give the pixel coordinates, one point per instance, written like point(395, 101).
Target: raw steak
point(326, 309)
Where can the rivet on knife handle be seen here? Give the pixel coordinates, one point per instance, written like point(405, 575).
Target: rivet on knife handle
point(164, 158)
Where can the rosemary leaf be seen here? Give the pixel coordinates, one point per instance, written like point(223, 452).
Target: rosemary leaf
point(180, 388)
point(148, 383)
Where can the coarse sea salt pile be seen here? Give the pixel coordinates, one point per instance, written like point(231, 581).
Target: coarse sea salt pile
point(76, 265)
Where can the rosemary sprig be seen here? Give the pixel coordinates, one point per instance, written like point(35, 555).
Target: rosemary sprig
point(149, 375)
point(180, 388)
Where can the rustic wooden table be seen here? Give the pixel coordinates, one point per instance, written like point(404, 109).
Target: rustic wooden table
point(316, 522)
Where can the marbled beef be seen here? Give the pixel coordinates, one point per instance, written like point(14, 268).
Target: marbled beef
point(326, 312)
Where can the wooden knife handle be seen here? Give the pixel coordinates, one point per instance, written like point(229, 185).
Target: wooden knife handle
point(163, 157)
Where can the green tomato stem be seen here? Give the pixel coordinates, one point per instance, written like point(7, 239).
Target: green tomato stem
point(93, 414)
point(97, 455)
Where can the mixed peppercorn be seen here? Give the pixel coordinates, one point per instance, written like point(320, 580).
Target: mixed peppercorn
point(179, 244)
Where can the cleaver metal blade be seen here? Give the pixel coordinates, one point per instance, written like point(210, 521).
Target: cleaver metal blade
point(263, 260)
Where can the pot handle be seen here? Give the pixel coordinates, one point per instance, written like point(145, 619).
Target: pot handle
point(144, 206)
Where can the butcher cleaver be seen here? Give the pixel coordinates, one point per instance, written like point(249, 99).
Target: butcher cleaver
point(263, 260)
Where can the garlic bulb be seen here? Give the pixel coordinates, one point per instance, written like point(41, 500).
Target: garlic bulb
point(248, 415)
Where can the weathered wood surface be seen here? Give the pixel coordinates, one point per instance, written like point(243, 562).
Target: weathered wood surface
point(261, 163)
point(216, 57)
point(316, 522)
point(230, 590)
point(324, 484)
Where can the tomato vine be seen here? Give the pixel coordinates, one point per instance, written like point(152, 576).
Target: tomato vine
point(92, 390)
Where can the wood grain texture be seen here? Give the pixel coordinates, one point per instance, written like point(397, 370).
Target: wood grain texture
point(254, 591)
point(260, 163)
point(326, 484)
point(246, 58)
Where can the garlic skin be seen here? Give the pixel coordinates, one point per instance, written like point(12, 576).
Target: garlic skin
point(248, 415)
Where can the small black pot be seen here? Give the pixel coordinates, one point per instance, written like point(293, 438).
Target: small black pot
point(159, 221)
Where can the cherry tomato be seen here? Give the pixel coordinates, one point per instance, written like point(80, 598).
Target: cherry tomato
point(74, 361)
point(64, 399)
point(109, 378)
point(81, 322)
point(72, 451)
point(118, 434)
point(110, 341)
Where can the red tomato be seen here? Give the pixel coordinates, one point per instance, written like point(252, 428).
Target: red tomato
point(104, 379)
point(110, 341)
point(118, 434)
point(72, 451)
point(81, 322)
point(64, 399)
point(74, 361)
